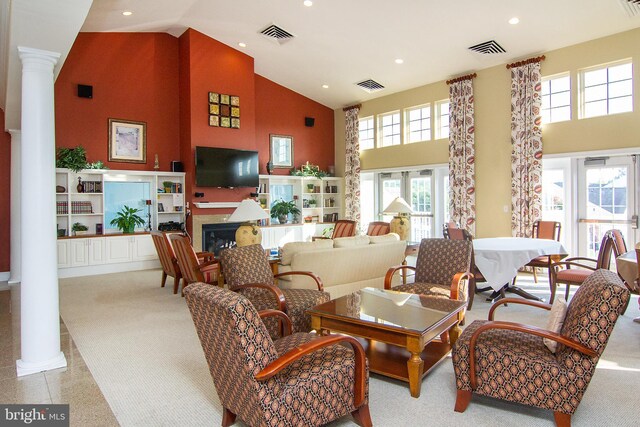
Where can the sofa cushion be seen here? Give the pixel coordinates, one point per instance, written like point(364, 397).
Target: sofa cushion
point(385, 238)
point(349, 242)
point(292, 248)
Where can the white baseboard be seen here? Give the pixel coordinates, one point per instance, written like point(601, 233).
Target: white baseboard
point(4, 278)
point(92, 270)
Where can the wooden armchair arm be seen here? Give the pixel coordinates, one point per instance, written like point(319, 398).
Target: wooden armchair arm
point(392, 270)
point(303, 273)
point(280, 300)
point(556, 266)
point(456, 283)
point(205, 256)
point(286, 321)
point(207, 264)
point(571, 261)
point(521, 328)
point(516, 301)
point(296, 353)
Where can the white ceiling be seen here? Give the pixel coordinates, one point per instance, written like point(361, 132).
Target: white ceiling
point(339, 43)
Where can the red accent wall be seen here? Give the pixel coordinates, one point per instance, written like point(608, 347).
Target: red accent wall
point(134, 77)
point(5, 196)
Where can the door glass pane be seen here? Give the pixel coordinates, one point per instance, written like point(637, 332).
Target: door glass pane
point(421, 205)
point(391, 188)
point(367, 200)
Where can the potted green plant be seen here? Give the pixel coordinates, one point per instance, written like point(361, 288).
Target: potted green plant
point(127, 219)
point(282, 209)
point(72, 158)
point(79, 229)
point(167, 186)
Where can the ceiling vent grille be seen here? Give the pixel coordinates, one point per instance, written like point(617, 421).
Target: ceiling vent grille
point(275, 33)
point(370, 85)
point(488, 48)
point(631, 7)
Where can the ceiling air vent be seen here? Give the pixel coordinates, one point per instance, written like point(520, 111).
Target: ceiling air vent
point(488, 48)
point(275, 33)
point(631, 7)
point(370, 85)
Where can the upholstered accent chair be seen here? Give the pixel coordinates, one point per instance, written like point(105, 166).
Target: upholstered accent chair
point(544, 230)
point(341, 228)
point(193, 268)
point(454, 233)
point(509, 361)
point(378, 228)
point(442, 269)
point(168, 259)
point(576, 269)
point(299, 380)
point(246, 265)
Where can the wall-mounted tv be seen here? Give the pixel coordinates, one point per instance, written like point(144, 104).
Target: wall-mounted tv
point(226, 167)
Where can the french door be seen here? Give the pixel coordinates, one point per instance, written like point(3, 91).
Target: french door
point(607, 198)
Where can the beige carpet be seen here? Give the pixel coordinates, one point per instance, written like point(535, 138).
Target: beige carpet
point(141, 347)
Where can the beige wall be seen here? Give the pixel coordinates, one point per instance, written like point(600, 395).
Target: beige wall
point(492, 123)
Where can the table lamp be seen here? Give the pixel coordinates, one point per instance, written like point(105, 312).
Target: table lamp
point(248, 212)
point(400, 224)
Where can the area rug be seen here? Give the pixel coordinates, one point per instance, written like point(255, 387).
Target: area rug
point(140, 344)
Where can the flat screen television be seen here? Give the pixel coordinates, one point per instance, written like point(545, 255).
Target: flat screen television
point(226, 167)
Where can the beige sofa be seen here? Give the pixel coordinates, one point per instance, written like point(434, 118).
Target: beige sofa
point(345, 265)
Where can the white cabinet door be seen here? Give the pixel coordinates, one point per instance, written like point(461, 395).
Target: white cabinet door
point(144, 249)
point(117, 249)
point(63, 254)
point(79, 252)
point(96, 251)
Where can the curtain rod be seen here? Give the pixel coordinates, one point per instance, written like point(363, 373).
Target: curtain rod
point(352, 107)
point(526, 61)
point(461, 78)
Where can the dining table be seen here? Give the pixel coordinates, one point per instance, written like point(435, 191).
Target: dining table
point(627, 266)
point(500, 258)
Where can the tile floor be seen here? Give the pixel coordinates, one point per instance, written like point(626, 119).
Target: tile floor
point(73, 385)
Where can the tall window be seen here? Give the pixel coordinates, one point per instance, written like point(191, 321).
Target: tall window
point(607, 90)
point(556, 99)
point(418, 123)
point(442, 119)
point(366, 137)
point(389, 132)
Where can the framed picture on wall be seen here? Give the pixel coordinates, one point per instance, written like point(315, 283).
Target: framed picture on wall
point(127, 141)
point(281, 149)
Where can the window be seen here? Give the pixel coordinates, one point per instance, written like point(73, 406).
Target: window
point(442, 119)
point(389, 129)
point(366, 136)
point(418, 123)
point(556, 99)
point(606, 90)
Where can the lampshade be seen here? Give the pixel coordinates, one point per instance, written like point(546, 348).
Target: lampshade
point(248, 210)
point(399, 206)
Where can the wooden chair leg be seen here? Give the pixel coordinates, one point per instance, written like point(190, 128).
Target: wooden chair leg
point(362, 417)
point(463, 397)
point(562, 419)
point(176, 284)
point(566, 293)
point(228, 418)
point(472, 293)
point(535, 275)
point(164, 279)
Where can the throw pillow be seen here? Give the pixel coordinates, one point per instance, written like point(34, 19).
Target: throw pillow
point(292, 248)
point(349, 242)
point(555, 321)
point(385, 238)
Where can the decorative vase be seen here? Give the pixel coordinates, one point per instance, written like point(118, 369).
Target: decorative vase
point(282, 219)
point(80, 186)
point(130, 229)
point(269, 167)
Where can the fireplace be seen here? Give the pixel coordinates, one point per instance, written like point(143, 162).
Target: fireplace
point(219, 236)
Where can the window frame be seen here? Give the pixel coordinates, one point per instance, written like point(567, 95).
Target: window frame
point(380, 128)
point(408, 121)
point(581, 87)
point(373, 129)
point(549, 79)
point(438, 118)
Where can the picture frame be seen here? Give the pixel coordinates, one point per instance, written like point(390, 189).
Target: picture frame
point(281, 151)
point(127, 141)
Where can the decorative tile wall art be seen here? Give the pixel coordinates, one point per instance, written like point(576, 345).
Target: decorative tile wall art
point(224, 110)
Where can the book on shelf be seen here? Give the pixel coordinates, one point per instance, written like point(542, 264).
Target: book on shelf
point(81, 207)
point(92, 186)
point(176, 187)
point(62, 208)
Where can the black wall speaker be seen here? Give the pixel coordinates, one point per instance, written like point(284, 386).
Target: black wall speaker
point(309, 122)
point(85, 91)
point(177, 166)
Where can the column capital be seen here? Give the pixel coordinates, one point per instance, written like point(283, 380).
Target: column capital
point(29, 54)
point(14, 132)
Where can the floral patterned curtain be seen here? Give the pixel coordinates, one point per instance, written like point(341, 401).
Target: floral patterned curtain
point(352, 164)
point(526, 152)
point(462, 184)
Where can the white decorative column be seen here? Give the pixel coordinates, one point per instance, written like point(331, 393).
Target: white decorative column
point(39, 303)
point(15, 255)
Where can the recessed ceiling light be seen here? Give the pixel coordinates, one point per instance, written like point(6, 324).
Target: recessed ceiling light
point(325, 86)
point(127, 13)
point(514, 20)
point(242, 44)
point(307, 3)
point(399, 61)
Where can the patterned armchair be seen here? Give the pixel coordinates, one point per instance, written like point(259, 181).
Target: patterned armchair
point(442, 269)
point(249, 265)
point(300, 379)
point(509, 361)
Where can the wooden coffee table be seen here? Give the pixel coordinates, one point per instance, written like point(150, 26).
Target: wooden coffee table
point(398, 331)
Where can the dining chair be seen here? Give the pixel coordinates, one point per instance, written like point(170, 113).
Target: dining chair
point(378, 228)
point(544, 230)
point(301, 379)
point(455, 233)
point(571, 275)
point(193, 269)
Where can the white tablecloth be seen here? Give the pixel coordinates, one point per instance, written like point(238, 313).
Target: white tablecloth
point(627, 265)
point(499, 258)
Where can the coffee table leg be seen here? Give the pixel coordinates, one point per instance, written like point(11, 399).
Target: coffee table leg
point(415, 366)
point(454, 333)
